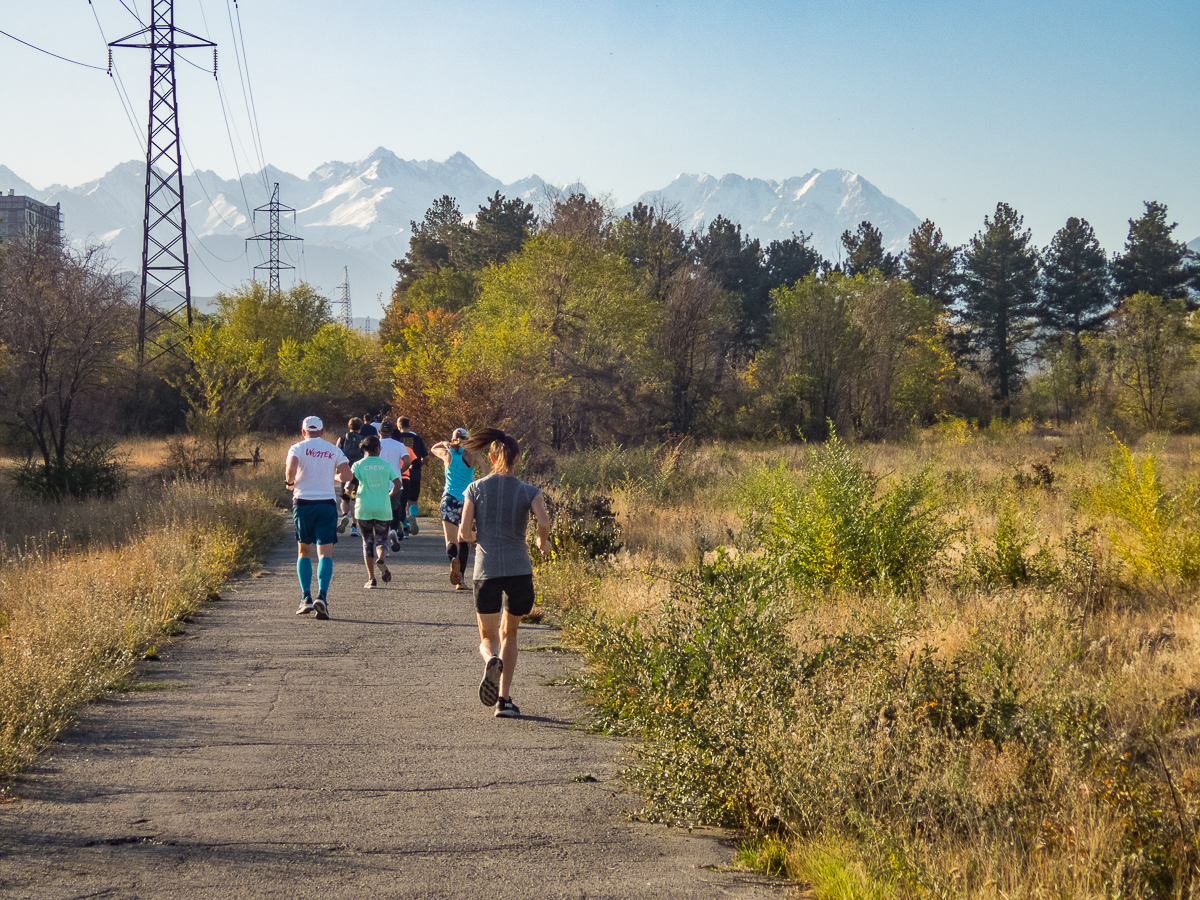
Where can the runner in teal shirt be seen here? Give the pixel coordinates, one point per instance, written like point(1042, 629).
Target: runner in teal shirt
point(377, 481)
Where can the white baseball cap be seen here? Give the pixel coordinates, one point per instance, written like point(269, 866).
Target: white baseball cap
point(313, 423)
point(458, 431)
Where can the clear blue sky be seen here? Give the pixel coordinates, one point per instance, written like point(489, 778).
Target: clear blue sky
point(1058, 108)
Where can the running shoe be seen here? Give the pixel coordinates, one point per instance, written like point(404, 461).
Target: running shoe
point(353, 531)
point(506, 709)
point(461, 587)
point(412, 525)
point(489, 688)
point(370, 585)
point(306, 606)
point(455, 572)
point(321, 608)
point(393, 541)
point(342, 523)
point(386, 574)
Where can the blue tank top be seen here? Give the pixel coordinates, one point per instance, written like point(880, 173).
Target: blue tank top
point(458, 475)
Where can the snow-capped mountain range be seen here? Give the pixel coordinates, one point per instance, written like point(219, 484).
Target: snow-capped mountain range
point(358, 214)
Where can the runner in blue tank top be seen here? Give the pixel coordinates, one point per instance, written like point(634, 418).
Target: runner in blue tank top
point(460, 471)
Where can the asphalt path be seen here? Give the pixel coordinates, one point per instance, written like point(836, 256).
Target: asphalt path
point(273, 755)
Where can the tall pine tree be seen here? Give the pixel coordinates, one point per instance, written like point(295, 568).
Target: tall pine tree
point(1076, 288)
point(931, 265)
point(864, 252)
point(1153, 261)
point(1000, 299)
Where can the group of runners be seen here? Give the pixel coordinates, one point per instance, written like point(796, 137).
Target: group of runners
point(370, 481)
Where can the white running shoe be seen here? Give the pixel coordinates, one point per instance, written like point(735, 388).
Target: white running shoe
point(412, 525)
point(370, 585)
point(393, 541)
point(342, 523)
point(306, 606)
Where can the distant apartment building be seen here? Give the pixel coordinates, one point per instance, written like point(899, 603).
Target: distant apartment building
point(20, 216)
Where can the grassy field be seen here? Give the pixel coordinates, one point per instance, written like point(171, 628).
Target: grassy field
point(89, 588)
point(964, 665)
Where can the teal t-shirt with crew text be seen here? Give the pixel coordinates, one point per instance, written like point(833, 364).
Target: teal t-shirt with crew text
point(375, 477)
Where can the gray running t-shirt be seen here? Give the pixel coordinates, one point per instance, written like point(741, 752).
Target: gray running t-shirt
point(501, 519)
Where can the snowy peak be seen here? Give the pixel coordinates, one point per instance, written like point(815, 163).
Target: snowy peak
point(823, 204)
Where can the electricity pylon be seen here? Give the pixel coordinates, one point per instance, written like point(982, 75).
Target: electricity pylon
point(274, 208)
point(166, 286)
point(344, 315)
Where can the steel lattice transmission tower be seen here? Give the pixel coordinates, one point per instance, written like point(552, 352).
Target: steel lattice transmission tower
point(344, 315)
point(166, 287)
point(274, 208)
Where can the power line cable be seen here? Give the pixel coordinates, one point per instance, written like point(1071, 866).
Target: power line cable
point(249, 83)
point(55, 55)
point(243, 78)
point(132, 12)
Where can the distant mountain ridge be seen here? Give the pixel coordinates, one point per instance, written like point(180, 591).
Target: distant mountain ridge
point(358, 214)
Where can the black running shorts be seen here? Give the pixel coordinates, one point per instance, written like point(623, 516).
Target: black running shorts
point(513, 593)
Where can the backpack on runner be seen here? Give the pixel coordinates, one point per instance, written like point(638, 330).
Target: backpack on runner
point(350, 446)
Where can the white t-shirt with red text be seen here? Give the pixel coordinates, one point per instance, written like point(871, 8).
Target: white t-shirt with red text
point(319, 461)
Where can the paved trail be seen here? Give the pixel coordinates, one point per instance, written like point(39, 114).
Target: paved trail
point(286, 757)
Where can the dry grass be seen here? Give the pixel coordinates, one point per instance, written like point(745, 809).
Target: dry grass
point(87, 589)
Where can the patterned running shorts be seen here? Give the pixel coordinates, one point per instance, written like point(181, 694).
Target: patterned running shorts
point(451, 510)
point(374, 534)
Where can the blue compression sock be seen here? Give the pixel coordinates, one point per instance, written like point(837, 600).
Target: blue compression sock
point(324, 574)
point(304, 573)
point(412, 509)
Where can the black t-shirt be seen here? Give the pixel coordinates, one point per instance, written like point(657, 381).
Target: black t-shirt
point(413, 442)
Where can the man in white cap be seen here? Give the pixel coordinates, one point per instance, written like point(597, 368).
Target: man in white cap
point(312, 466)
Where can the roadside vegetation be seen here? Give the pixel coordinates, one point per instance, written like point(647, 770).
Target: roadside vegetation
point(90, 587)
point(963, 664)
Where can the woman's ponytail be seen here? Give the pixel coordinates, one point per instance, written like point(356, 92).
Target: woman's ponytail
point(503, 447)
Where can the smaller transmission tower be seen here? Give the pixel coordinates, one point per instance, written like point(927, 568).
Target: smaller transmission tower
point(344, 315)
point(274, 235)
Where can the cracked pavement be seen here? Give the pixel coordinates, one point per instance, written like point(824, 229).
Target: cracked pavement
point(272, 755)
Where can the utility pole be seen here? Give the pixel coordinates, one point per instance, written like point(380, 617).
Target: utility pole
point(166, 287)
point(344, 315)
point(274, 208)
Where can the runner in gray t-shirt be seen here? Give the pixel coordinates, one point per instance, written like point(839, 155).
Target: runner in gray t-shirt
point(495, 515)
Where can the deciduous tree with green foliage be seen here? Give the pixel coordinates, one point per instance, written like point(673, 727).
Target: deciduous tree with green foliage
point(564, 330)
point(251, 314)
point(1152, 342)
point(231, 380)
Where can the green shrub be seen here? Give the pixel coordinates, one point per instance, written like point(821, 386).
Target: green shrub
point(1008, 560)
point(582, 526)
point(839, 529)
point(1156, 533)
point(89, 470)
